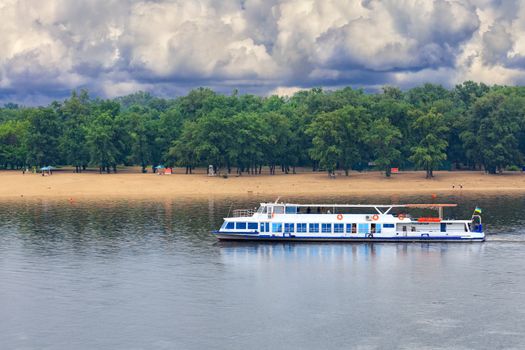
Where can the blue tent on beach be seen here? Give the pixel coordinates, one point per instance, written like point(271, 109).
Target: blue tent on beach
point(47, 168)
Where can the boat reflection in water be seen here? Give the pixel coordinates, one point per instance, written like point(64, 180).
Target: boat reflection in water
point(433, 253)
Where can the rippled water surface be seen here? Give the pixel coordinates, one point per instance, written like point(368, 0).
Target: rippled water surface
point(149, 275)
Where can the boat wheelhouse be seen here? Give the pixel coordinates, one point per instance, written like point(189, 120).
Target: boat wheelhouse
point(347, 222)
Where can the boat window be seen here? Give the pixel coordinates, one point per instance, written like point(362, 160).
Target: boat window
point(262, 210)
point(277, 227)
point(291, 210)
point(413, 228)
point(252, 226)
point(278, 209)
point(326, 228)
point(351, 228)
point(404, 228)
point(339, 228)
point(378, 228)
point(443, 227)
point(289, 227)
point(265, 227)
point(363, 228)
point(388, 225)
point(301, 228)
point(373, 228)
point(230, 225)
point(240, 225)
point(313, 228)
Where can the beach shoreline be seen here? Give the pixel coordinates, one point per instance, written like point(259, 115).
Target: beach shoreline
point(69, 185)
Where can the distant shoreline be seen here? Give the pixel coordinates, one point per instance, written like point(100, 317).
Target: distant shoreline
point(13, 185)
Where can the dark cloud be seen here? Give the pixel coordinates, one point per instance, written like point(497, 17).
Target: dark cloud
point(168, 47)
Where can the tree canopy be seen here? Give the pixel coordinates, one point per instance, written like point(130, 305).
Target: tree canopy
point(429, 127)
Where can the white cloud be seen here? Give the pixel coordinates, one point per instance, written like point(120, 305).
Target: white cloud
point(114, 47)
point(285, 91)
point(112, 89)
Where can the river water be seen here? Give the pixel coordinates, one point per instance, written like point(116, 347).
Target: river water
point(130, 274)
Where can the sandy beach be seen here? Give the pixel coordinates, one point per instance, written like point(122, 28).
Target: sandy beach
point(64, 184)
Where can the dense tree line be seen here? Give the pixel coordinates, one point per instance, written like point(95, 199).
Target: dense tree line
point(473, 126)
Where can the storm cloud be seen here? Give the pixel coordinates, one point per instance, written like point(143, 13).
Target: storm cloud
point(115, 47)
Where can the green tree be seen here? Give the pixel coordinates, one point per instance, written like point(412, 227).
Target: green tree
point(495, 125)
point(469, 91)
point(169, 128)
point(43, 137)
point(213, 138)
point(142, 136)
point(329, 129)
point(424, 97)
point(183, 151)
point(338, 138)
point(430, 151)
point(384, 140)
point(400, 115)
point(13, 151)
point(100, 137)
point(275, 136)
point(247, 146)
point(75, 114)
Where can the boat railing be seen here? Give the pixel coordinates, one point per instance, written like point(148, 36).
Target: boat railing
point(243, 212)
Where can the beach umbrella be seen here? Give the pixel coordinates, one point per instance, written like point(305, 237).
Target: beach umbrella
point(159, 167)
point(45, 168)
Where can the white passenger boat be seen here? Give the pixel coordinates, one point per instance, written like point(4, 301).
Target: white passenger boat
point(340, 222)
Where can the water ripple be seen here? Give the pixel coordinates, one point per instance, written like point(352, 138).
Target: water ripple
point(149, 275)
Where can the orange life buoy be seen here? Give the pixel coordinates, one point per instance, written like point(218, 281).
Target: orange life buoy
point(401, 216)
point(375, 217)
point(339, 216)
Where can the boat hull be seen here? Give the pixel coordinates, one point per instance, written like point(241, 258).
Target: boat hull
point(256, 237)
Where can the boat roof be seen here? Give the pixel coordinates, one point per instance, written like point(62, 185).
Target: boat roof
point(428, 206)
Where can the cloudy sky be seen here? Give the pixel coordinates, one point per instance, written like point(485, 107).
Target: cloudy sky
point(118, 47)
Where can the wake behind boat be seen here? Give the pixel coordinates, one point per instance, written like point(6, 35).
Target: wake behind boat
point(340, 222)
